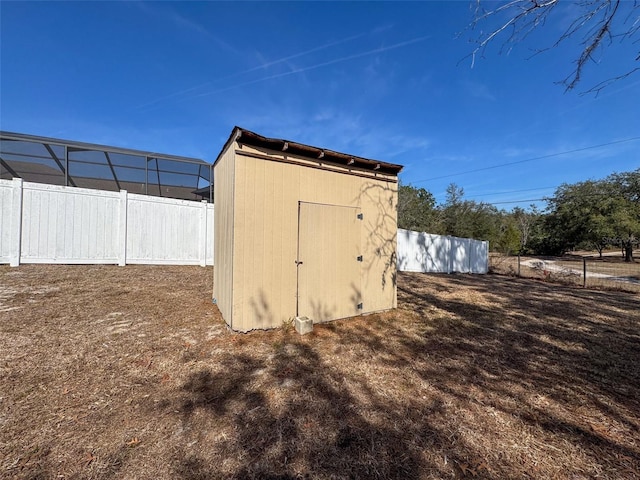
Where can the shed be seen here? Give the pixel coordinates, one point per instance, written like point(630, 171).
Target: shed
point(301, 231)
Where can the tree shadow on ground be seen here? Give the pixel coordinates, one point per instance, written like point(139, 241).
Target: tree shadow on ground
point(392, 396)
point(321, 431)
point(573, 346)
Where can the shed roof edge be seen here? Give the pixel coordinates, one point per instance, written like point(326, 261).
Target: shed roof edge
point(248, 137)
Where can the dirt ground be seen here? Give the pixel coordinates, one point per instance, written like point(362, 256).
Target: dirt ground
point(129, 372)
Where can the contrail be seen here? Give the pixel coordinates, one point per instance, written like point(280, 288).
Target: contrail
point(295, 55)
point(253, 69)
point(172, 95)
point(319, 65)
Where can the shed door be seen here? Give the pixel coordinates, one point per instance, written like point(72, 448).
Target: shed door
point(328, 264)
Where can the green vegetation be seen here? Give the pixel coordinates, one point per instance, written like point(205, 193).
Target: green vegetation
point(594, 214)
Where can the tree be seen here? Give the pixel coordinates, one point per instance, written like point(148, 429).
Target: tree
point(580, 214)
point(454, 211)
point(596, 213)
point(510, 238)
point(526, 222)
point(416, 209)
point(624, 192)
point(595, 23)
point(467, 218)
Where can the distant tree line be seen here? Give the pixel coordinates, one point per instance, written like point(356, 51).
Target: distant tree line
point(595, 214)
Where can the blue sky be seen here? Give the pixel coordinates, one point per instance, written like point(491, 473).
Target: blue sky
point(387, 81)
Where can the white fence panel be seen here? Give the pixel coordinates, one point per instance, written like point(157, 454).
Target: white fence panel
point(42, 223)
point(437, 252)
point(459, 254)
point(479, 261)
point(68, 225)
point(9, 236)
point(209, 240)
point(424, 252)
point(165, 231)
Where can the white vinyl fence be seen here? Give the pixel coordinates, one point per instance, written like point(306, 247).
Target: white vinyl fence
point(42, 223)
point(424, 252)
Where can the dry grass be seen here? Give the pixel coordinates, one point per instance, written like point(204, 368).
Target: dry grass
point(111, 372)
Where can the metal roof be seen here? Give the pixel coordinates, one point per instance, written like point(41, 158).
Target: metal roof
point(88, 165)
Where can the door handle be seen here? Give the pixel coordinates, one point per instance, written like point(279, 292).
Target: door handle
point(298, 263)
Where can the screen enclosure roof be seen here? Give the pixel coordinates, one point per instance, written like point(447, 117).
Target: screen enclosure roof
point(77, 164)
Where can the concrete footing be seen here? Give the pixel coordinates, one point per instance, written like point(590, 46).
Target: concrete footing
point(303, 325)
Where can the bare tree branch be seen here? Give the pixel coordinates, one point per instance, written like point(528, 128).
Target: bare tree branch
point(592, 41)
point(596, 25)
point(596, 89)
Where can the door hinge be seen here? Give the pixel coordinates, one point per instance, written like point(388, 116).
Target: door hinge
point(359, 258)
point(360, 216)
point(359, 307)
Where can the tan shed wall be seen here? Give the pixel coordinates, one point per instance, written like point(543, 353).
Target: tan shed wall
point(223, 232)
point(266, 235)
